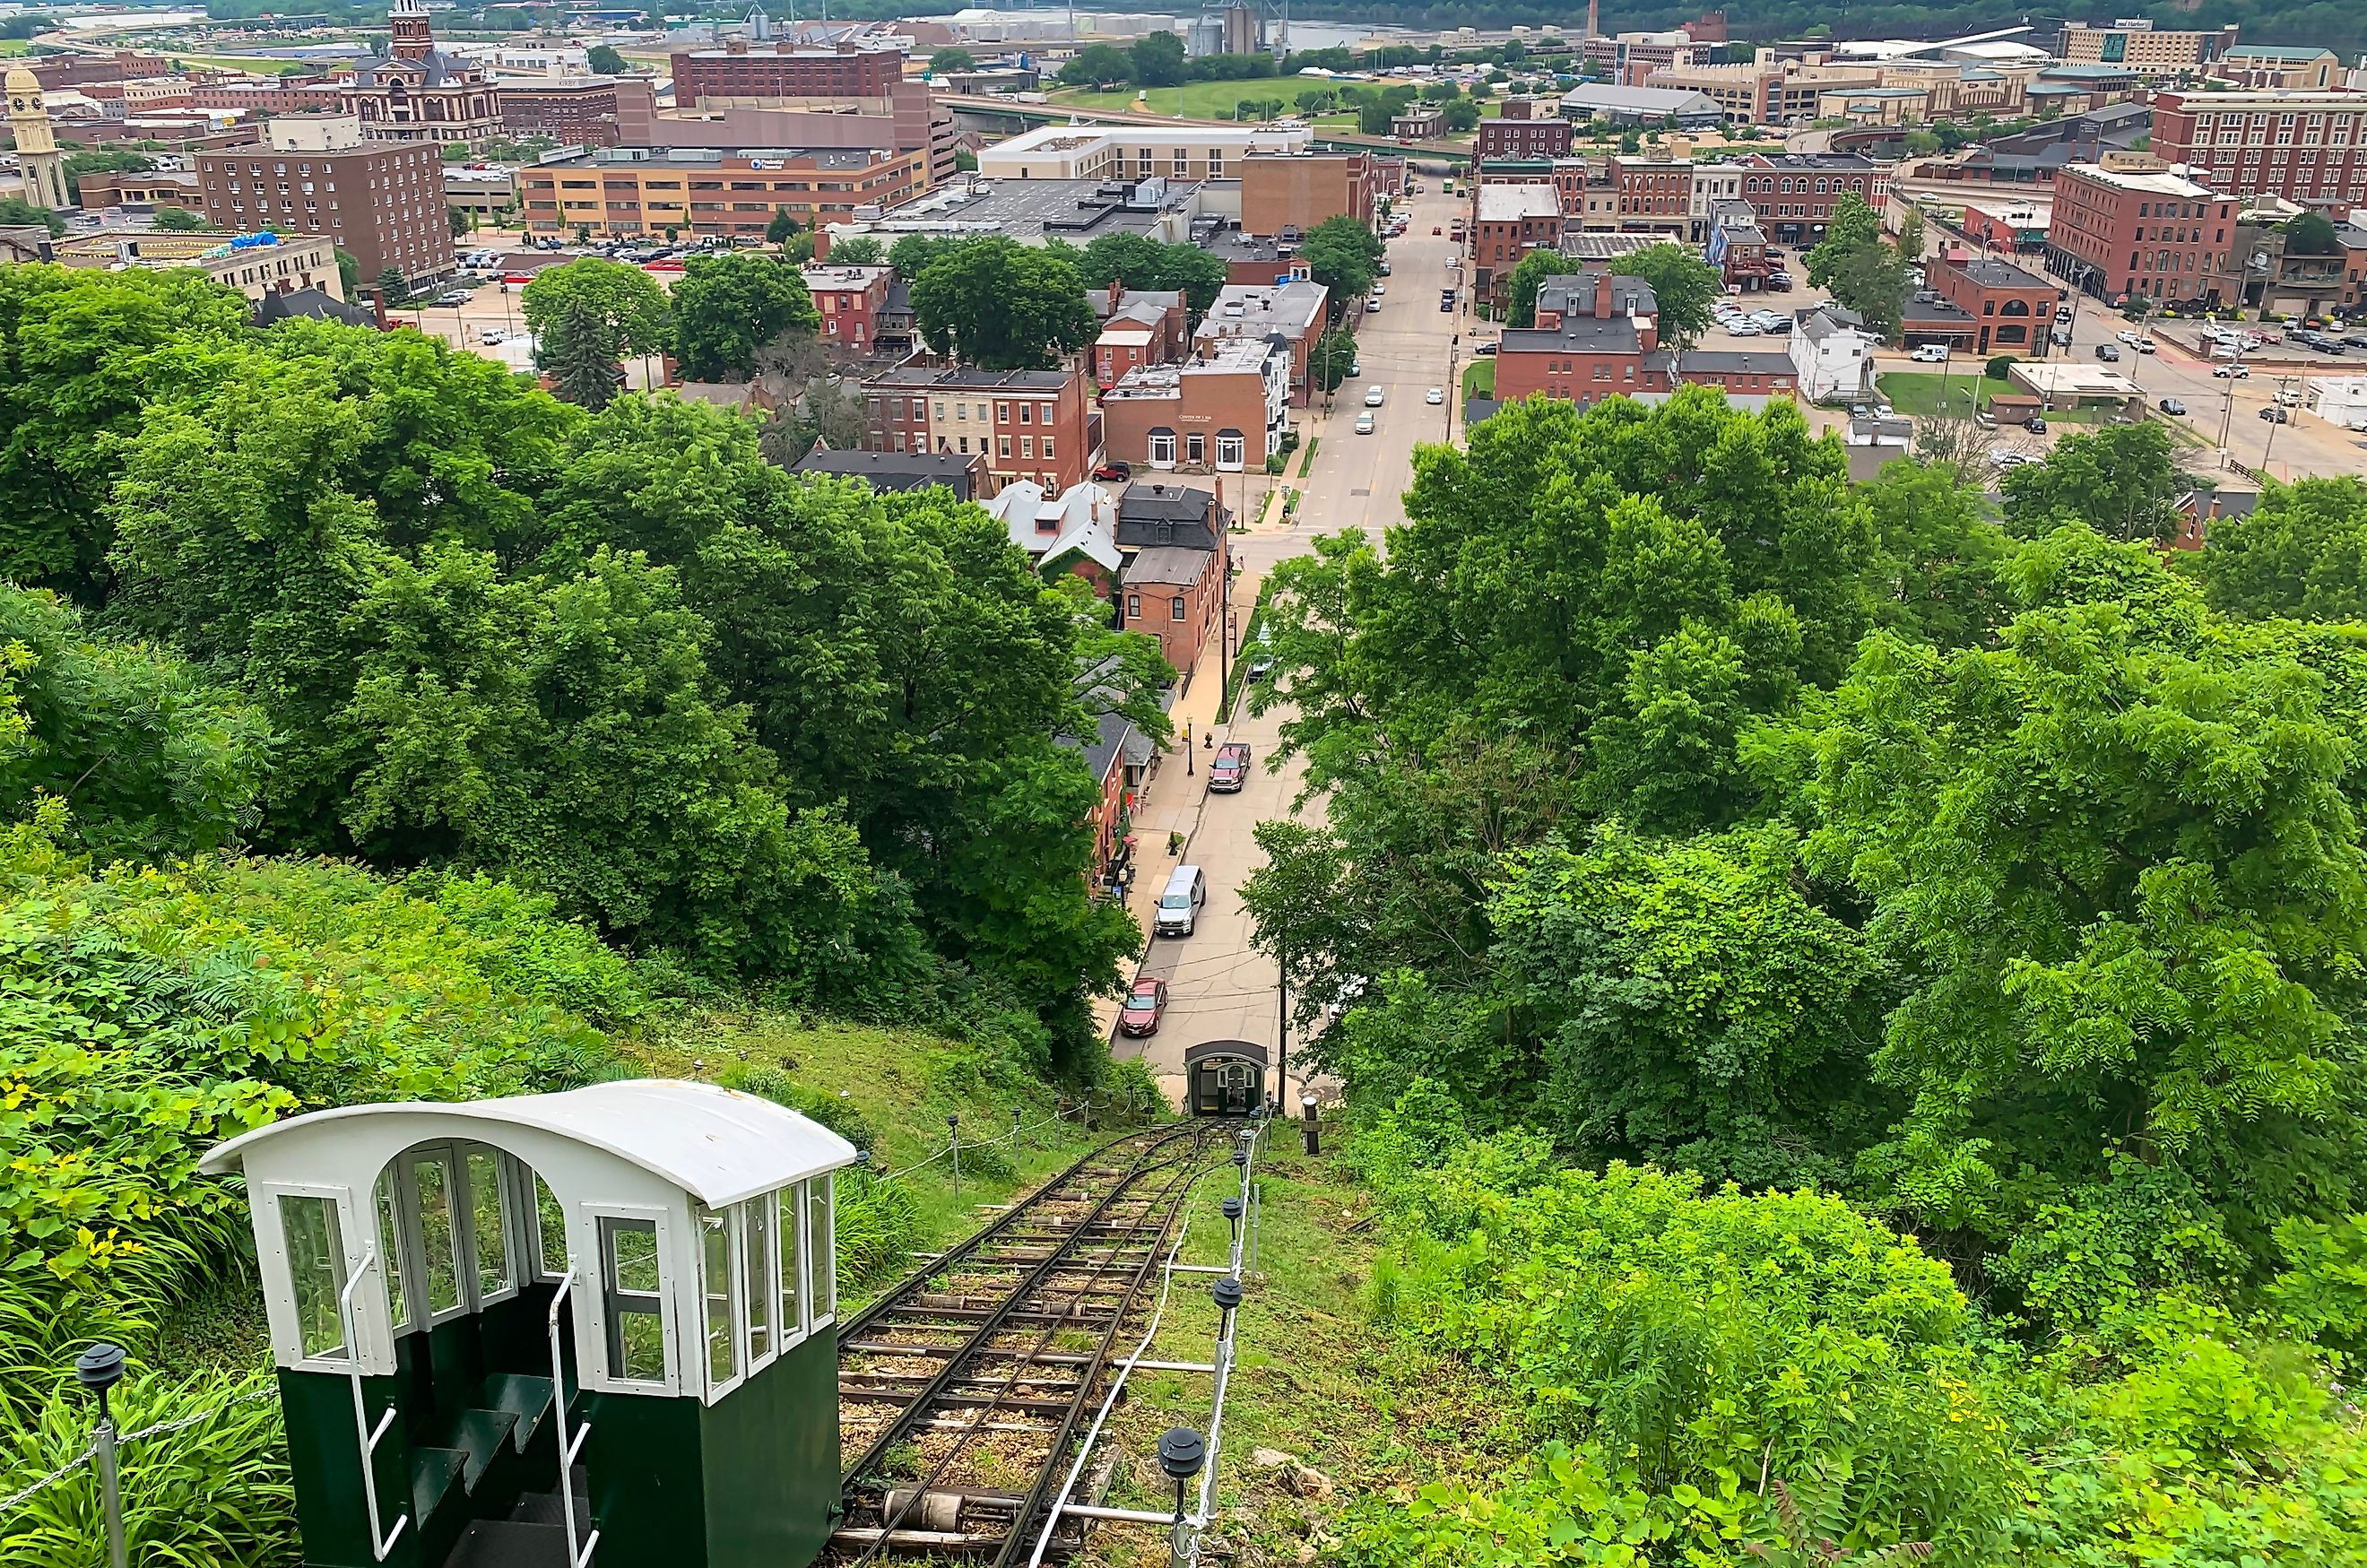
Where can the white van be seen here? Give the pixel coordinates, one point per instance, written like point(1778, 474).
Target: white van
point(1179, 903)
point(1929, 354)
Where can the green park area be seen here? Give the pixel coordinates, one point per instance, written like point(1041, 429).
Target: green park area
point(1928, 394)
point(1479, 379)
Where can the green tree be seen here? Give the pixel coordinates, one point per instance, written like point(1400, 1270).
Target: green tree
point(911, 254)
point(178, 221)
point(15, 212)
point(349, 273)
point(857, 250)
point(1374, 117)
point(783, 225)
point(149, 760)
point(2121, 872)
point(2122, 480)
point(1463, 115)
point(1529, 275)
point(1853, 227)
point(92, 161)
point(1157, 61)
point(604, 60)
point(394, 286)
point(1871, 280)
point(1686, 287)
point(580, 349)
point(945, 61)
point(1344, 256)
point(2301, 552)
point(2311, 234)
point(1097, 65)
point(85, 352)
point(1001, 305)
point(1329, 361)
point(726, 307)
point(621, 313)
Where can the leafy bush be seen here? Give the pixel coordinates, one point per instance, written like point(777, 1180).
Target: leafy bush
point(878, 1225)
point(776, 1084)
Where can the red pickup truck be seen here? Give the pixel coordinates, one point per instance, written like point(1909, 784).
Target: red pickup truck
point(1231, 768)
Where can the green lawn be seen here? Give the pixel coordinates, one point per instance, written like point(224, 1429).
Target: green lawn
point(1193, 100)
point(1479, 379)
point(1918, 392)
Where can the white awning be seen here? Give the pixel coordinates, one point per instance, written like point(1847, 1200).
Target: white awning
point(719, 1144)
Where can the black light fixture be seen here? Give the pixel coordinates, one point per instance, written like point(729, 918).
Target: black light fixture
point(98, 1369)
point(1232, 1211)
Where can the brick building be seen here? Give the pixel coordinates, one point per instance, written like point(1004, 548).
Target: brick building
point(1738, 247)
point(1030, 424)
point(1793, 193)
point(851, 300)
point(1178, 559)
point(1225, 411)
point(415, 92)
point(1654, 195)
point(1146, 326)
point(1546, 137)
point(736, 71)
point(1597, 335)
point(2306, 147)
point(1508, 222)
point(1568, 176)
point(1294, 312)
point(1740, 373)
point(579, 111)
point(2129, 226)
point(382, 201)
point(157, 187)
point(58, 72)
point(255, 264)
point(281, 97)
point(2010, 310)
point(715, 192)
point(1282, 192)
point(2305, 68)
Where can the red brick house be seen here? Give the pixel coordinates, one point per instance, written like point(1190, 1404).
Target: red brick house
point(1597, 335)
point(1178, 558)
point(851, 300)
point(1142, 327)
point(1744, 373)
point(1508, 222)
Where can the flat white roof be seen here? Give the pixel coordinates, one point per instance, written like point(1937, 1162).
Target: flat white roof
point(2157, 181)
point(1510, 204)
point(719, 1144)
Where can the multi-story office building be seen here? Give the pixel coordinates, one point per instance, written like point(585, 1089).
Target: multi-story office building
point(2157, 50)
point(740, 72)
point(713, 191)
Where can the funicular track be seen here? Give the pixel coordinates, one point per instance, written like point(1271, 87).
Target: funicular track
point(962, 1392)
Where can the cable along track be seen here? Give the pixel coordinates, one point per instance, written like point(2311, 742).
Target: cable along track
point(961, 1393)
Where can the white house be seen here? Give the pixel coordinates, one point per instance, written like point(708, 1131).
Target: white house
point(2339, 399)
point(1833, 355)
point(1083, 519)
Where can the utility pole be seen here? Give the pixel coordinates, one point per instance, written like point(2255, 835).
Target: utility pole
point(1281, 1023)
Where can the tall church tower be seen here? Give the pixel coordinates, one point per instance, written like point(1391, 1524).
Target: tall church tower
point(36, 142)
point(410, 35)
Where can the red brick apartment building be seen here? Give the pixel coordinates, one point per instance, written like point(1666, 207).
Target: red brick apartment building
point(737, 70)
point(581, 112)
point(1521, 137)
point(1508, 222)
point(1794, 193)
point(1597, 335)
point(2129, 226)
point(1654, 196)
point(2306, 147)
point(1149, 326)
point(1031, 425)
point(1283, 192)
point(2010, 309)
point(1178, 556)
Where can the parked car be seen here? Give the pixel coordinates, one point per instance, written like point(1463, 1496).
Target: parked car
point(1375, 397)
point(1385, 271)
point(492, 335)
point(1355, 368)
point(1231, 768)
point(1143, 1005)
point(1485, 349)
point(1372, 306)
point(1747, 329)
point(2145, 346)
point(2107, 350)
point(2126, 336)
point(1115, 473)
point(1435, 395)
point(2276, 416)
point(2035, 424)
point(2171, 405)
point(2232, 372)
point(1779, 283)
point(1261, 666)
point(1436, 230)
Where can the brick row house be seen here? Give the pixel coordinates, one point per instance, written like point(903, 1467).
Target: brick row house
point(1597, 335)
point(1140, 327)
point(1029, 424)
point(1177, 557)
point(2131, 226)
point(1508, 222)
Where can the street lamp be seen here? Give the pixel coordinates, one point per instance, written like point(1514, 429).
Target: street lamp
point(97, 1369)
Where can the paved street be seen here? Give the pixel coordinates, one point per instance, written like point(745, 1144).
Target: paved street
point(1219, 988)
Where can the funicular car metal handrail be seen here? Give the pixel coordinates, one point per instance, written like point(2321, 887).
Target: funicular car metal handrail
point(568, 1447)
point(369, 1437)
